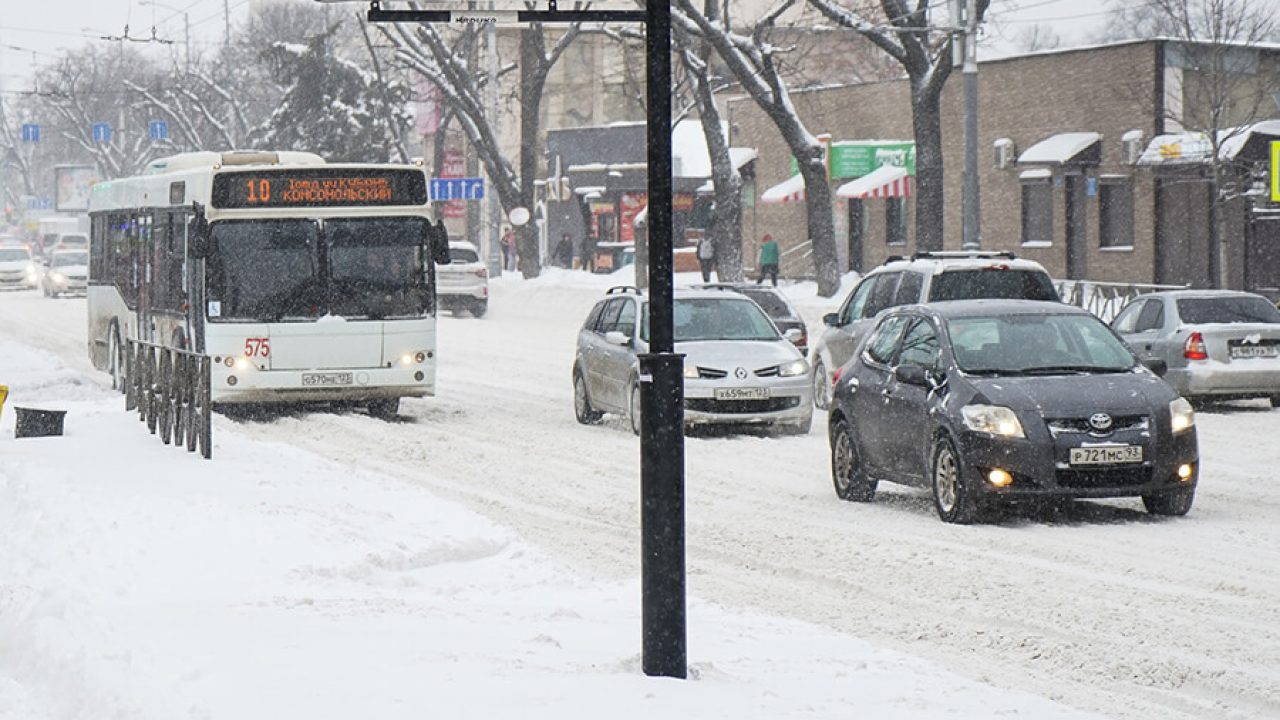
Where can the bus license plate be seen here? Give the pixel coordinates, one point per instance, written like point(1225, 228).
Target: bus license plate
point(1106, 455)
point(742, 393)
point(326, 379)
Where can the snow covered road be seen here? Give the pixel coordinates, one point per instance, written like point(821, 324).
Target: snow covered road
point(1099, 606)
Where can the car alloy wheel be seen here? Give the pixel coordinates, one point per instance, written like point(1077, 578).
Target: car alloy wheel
point(951, 497)
point(821, 386)
point(581, 403)
point(634, 408)
point(847, 474)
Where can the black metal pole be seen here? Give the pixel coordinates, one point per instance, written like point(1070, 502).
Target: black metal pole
point(661, 390)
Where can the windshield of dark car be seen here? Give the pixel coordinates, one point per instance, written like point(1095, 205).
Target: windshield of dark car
point(1040, 343)
point(65, 259)
point(14, 254)
point(1227, 310)
point(996, 282)
point(271, 270)
point(771, 303)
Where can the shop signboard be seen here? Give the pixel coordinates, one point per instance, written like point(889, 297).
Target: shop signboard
point(849, 159)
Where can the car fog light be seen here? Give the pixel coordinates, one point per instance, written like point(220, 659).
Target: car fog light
point(231, 380)
point(1184, 471)
point(999, 478)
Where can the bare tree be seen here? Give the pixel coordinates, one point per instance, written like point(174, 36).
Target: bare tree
point(906, 34)
point(752, 60)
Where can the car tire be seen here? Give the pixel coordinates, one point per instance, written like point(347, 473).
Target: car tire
point(952, 496)
point(821, 386)
point(848, 476)
point(386, 409)
point(633, 408)
point(479, 308)
point(582, 402)
point(1174, 503)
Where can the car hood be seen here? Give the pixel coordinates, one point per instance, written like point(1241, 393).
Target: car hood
point(15, 265)
point(1130, 393)
point(70, 269)
point(729, 354)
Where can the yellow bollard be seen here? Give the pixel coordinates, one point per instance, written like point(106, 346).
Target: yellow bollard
point(4, 393)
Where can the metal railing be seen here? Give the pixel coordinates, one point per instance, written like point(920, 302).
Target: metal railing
point(796, 262)
point(1105, 299)
point(170, 390)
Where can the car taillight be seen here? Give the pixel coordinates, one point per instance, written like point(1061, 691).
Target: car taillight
point(482, 272)
point(1194, 349)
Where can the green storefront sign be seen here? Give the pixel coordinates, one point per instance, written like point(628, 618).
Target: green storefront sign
point(852, 159)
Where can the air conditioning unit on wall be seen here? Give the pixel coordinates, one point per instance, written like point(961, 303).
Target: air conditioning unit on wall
point(1005, 153)
point(1131, 146)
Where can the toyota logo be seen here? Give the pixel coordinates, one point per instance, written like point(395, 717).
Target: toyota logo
point(1100, 422)
point(740, 373)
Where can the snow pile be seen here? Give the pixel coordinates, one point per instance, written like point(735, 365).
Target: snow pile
point(139, 581)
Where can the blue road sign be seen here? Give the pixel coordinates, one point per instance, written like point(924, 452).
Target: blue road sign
point(457, 189)
point(30, 132)
point(102, 132)
point(159, 129)
point(39, 203)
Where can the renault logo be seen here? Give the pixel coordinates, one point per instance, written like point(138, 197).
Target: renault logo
point(740, 373)
point(1100, 422)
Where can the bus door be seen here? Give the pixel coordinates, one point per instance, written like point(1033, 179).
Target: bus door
point(143, 250)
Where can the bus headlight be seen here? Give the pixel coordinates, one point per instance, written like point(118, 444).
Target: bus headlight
point(242, 364)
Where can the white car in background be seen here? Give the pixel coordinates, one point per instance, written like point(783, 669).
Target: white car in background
point(68, 272)
point(463, 284)
point(17, 268)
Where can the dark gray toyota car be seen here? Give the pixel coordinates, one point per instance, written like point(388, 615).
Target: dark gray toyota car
point(989, 400)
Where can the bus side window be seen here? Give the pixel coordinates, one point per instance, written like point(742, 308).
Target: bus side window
point(98, 249)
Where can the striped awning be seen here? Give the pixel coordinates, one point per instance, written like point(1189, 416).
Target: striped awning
point(885, 181)
point(790, 190)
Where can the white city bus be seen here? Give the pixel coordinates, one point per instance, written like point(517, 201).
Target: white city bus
point(304, 281)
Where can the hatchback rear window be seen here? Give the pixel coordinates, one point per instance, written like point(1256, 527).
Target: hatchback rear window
point(1227, 310)
point(992, 283)
point(775, 306)
point(463, 255)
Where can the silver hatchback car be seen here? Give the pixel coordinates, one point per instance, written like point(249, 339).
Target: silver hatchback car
point(739, 369)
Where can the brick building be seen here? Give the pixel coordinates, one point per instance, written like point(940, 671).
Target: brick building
point(1089, 164)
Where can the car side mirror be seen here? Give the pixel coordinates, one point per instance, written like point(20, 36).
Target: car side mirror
point(613, 337)
point(1156, 365)
point(911, 375)
point(795, 335)
point(831, 319)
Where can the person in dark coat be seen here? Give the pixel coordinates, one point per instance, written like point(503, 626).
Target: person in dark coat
point(564, 251)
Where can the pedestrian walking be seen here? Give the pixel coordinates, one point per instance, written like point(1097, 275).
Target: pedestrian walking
point(564, 251)
point(589, 253)
point(509, 249)
point(706, 256)
point(768, 260)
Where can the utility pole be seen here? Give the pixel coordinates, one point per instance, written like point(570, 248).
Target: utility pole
point(491, 102)
point(226, 22)
point(964, 14)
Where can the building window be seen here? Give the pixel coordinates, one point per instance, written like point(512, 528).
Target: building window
point(1115, 213)
point(895, 221)
point(1037, 212)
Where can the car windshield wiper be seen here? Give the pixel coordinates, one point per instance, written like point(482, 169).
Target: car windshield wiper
point(1067, 369)
point(991, 371)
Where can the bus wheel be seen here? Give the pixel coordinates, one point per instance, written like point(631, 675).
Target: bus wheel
point(387, 409)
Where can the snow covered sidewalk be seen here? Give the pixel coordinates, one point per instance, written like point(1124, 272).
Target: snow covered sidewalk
point(140, 581)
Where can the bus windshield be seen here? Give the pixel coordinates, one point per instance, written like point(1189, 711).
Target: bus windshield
point(280, 270)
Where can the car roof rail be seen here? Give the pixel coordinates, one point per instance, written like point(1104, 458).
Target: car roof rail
point(894, 258)
point(616, 289)
point(977, 254)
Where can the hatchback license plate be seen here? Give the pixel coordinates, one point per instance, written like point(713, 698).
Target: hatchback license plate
point(742, 393)
point(1106, 455)
point(1254, 351)
point(326, 379)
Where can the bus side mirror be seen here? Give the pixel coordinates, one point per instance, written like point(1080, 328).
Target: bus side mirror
point(198, 234)
point(436, 239)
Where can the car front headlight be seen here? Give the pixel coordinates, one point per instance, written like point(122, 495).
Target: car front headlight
point(793, 368)
point(58, 277)
point(1182, 415)
point(992, 419)
point(691, 372)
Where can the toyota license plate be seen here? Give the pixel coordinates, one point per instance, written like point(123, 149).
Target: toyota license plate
point(742, 393)
point(326, 379)
point(1106, 455)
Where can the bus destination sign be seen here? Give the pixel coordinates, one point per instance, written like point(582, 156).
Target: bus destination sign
point(319, 187)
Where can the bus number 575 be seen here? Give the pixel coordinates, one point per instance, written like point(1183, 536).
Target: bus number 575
point(257, 347)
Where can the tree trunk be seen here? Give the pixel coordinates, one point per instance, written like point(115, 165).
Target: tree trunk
point(821, 228)
point(726, 223)
point(533, 77)
point(926, 121)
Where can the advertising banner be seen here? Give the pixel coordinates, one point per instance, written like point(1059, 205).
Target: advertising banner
point(71, 187)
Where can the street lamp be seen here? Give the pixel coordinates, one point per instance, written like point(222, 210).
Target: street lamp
point(186, 22)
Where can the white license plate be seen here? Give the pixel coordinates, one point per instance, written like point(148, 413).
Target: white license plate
point(1106, 455)
point(326, 379)
point(742, 393)
point(1254, 351)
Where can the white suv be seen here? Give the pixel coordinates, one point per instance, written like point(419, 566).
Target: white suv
point(463, 284)
point(923, 277)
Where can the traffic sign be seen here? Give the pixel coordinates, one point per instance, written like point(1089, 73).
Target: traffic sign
point(101, 132)
point(30, 132)
point(159, 129)
point(457, 189)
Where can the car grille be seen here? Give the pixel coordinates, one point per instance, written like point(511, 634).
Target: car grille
point(707, 373)
point(1119, 423)
point(771, 371)
point(740, 407)
point(1103, 478)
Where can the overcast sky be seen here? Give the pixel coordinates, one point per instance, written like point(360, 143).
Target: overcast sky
point(44, 27)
